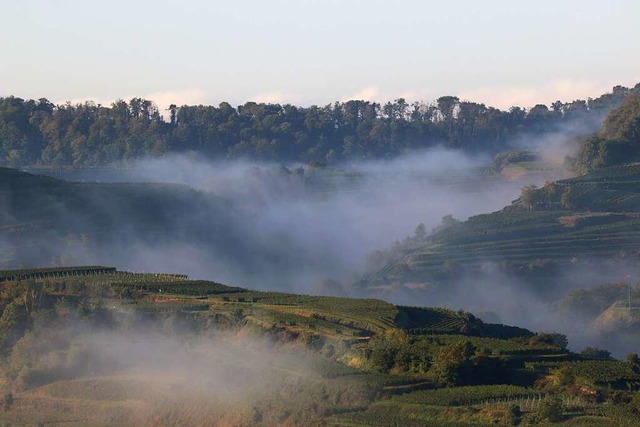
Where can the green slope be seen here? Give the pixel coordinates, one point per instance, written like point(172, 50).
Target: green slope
point(327, 360)
point(592, 217)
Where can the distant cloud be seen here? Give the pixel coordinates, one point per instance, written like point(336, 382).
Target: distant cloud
point(565, 90)
point(375, 93)
point(369, 93)
point(503, 97)
point(95, 100)
point(417, 95)
point(275, 97)
point(164, 99)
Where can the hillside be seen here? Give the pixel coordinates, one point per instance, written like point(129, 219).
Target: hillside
point(47, 221)
point(587, 223)
point(96, 346)
point(93, 345)
point(584, 220)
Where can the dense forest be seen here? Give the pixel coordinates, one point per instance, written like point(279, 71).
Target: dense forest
point(617, 142)
point(85, 135)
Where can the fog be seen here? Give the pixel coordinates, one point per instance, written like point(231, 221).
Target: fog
point(168, 370)
point(288, 228)
point(266, 226)
point(495, 296)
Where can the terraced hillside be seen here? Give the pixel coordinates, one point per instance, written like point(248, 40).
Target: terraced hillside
point(333, 316)
point(96, 346)
point(592, 217)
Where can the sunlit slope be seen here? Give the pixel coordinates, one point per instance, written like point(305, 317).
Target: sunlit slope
point(325, 315)
point(592, 217)
point(158, 296)
point(191, 350)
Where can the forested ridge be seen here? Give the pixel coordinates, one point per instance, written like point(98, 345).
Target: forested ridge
point(40, 133)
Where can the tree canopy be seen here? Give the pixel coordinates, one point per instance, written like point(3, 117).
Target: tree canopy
point(618, 141)
point(37, 132)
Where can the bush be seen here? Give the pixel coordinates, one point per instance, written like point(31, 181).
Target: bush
point(551, 410)
point(595, 353)
point(552, 338)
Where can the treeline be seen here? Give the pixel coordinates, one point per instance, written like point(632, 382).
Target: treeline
point(85, 135)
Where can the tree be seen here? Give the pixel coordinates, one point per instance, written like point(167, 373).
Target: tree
point(446, 107)
point(623, 123)
point(634, 360)
point(550, 338)
point(420, 232)
point(618, 142)
point(447, 221)
point(452, 362)
point(383, 355)
point(529, 197)
point(539, 118)
point(173, 110)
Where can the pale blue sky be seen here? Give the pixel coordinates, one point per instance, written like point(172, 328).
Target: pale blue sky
point(314, 52)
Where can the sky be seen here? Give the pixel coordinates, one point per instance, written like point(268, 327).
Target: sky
point(306, 52)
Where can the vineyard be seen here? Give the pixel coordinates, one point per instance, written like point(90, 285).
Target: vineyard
point(338, 318)
point(497, 346)
point(173, 285)
point(599, 220)
point(372, 362)
point(381, 417)
point(57, 272)
point(438, 320)
point(469, 395)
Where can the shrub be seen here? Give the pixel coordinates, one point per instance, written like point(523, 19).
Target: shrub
point(595, 353)
point(551, 410)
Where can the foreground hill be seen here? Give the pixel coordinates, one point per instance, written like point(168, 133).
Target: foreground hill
point(96, 346)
